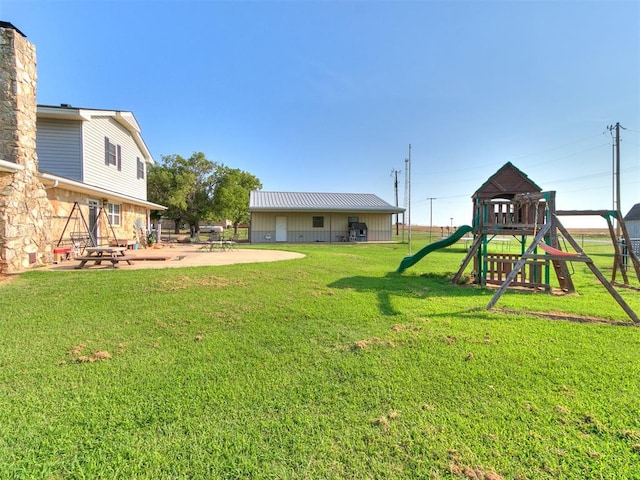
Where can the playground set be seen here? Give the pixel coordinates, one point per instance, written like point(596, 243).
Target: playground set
point(509, 203)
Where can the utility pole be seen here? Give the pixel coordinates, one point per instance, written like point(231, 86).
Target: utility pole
point(395, 187)
point(407, 162)
point(431, 199)
point(616, 173)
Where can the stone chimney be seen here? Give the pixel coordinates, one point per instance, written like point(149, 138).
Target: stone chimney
point(25, 211)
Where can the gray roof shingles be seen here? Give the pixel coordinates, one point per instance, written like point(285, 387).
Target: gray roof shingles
point(308, 201)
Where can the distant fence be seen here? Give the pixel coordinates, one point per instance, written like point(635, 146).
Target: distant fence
point(635, 245)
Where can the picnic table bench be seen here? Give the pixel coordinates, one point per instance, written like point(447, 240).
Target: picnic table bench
point(97, 255)
point(130, 244)
point(220, 244)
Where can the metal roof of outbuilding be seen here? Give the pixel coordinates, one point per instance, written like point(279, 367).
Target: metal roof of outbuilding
point(634, 213)
point(307, 201)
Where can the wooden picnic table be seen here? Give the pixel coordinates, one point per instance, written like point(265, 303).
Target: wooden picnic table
point(220, 245)
point(97, 255)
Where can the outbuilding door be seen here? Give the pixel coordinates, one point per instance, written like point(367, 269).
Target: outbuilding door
point(281, 229)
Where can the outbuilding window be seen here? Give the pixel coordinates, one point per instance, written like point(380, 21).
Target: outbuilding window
point(318, 222)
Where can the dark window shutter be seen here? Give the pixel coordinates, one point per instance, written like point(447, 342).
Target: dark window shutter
point(119, 158)
point(106, 150)
point(140, 167)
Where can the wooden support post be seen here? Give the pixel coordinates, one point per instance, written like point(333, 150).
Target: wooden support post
point(560, 267)
point(618, 261)
point(625, 306)
point(472, 251)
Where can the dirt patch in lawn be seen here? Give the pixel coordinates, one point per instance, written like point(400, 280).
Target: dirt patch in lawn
point(569, 317)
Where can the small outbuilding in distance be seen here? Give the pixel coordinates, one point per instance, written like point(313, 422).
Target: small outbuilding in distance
point(301, 217)
point(632, 221)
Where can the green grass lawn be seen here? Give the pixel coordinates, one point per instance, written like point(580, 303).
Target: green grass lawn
point(331, 366)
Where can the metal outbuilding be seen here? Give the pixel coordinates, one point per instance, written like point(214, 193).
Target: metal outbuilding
point(632, 222)
point(304, 217)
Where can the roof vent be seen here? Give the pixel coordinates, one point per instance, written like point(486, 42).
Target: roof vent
point(65, 105)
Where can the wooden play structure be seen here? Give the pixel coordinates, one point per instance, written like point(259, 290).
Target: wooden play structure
point(510, 204)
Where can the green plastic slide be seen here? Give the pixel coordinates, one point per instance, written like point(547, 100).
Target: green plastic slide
point(445, 242)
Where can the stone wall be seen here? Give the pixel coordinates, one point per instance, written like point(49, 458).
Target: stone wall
point(25, 212)
point(64, 224)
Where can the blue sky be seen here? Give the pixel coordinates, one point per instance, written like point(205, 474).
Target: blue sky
point(327, 96)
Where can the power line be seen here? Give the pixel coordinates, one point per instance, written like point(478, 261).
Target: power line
point(545, 162)
point(539, 152)
point(558, 147)
point(563, 180)
point(537, 164)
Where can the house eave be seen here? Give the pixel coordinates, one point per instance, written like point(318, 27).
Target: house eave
point(10, 167)
point(126, 119)
point(62, 113)
point(51, 180)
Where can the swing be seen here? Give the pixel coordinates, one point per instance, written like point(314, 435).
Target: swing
point(556, 252)
point(81, 236)
point(548, 248)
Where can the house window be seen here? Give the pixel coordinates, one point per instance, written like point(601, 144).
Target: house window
point(140, 165)
point(352, 220)
point(318, 222)
point(113, 210)
point(112, 154)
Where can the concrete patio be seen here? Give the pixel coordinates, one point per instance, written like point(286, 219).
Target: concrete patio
point(176, 255)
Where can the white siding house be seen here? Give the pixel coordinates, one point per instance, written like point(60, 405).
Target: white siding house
point(97, 160)
point(59, 147)
point(60, 165)
point(299, 217)
point(102, 148)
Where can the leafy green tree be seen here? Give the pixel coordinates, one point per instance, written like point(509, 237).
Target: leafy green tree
point(185, 186)
point(168, 186)
point(231, 196)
